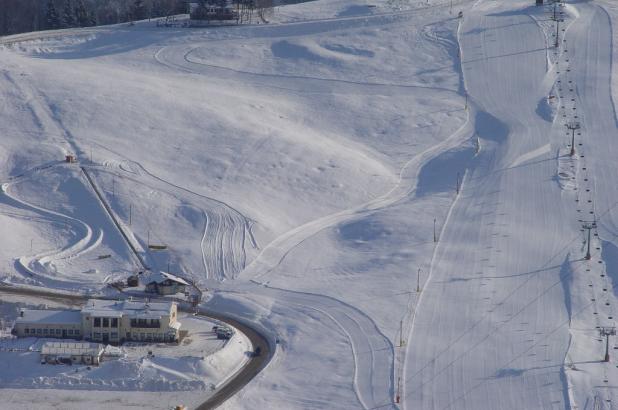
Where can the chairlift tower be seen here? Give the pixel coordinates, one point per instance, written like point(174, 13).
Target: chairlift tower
point(558, 20)
point(573, 126)
point(607, 332)
point(589, 226)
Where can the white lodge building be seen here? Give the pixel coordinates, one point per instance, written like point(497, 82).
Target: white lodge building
point(106, 321)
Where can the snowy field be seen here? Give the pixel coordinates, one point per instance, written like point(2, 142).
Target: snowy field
point(383, 187)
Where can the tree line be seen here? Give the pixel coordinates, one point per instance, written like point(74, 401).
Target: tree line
point(19, 16)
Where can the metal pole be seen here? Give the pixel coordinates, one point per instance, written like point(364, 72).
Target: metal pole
point(458, 183)
point(418, 280)
point(588, 252)
point(148, 238)
point(557, 32)
point(607, 347)
point(573, 126)
point(130, 212)
point(435, 238)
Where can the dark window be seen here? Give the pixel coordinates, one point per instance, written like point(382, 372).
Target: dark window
point(76, 332)
point(39, 331)
point(155, 323)
point(114, 322)
point(97, 322)
point(70, 331)
point(26, 330)
point(142, 322)
point(105, 322)
point(58, 331)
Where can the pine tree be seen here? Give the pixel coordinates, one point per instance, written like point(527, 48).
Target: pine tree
point(81, 15)
point(68, 18)
point(138, 10)
point(52, 19)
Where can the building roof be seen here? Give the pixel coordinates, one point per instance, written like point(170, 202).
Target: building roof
point(72, 348)
point(112, 308)
point(50, 317)
point(160, 277)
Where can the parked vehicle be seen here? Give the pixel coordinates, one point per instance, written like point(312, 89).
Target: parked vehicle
point(224, 333)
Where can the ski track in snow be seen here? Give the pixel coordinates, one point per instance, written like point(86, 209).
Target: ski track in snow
point(476, 354)
point(36, 266)
point(222, 243)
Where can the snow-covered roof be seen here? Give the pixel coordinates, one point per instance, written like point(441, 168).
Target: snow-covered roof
point(72, 348)
point(112, 308)
point(163, 276)
point(50, 317)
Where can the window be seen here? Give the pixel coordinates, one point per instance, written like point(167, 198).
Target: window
point(105, 322)
point(45, 331)
point(142, 336)
point(39, 331)
point(142, 322)
point(96, 335)
point(114, 322)
point(70, 332)
point(76, 332)
point(154, 323)
point(114, 335)
point(97, 322)
point(58, 331)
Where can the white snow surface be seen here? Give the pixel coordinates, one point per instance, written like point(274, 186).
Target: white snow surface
point(310, 170)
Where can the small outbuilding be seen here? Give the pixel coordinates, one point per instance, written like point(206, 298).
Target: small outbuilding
point(164, 283)
point(71, 353)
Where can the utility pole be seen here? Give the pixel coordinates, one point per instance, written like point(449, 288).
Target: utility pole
point(148, 242)
point(130, 212)
point(589, 226)
point(435, 238)
point(401, 341)
point(418, 281)
point(607, 332)
point(573, 126)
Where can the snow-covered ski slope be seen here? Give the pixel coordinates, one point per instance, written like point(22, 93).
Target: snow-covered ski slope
point(299, 169)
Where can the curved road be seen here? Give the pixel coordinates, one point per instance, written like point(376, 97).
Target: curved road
point(232, 386)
